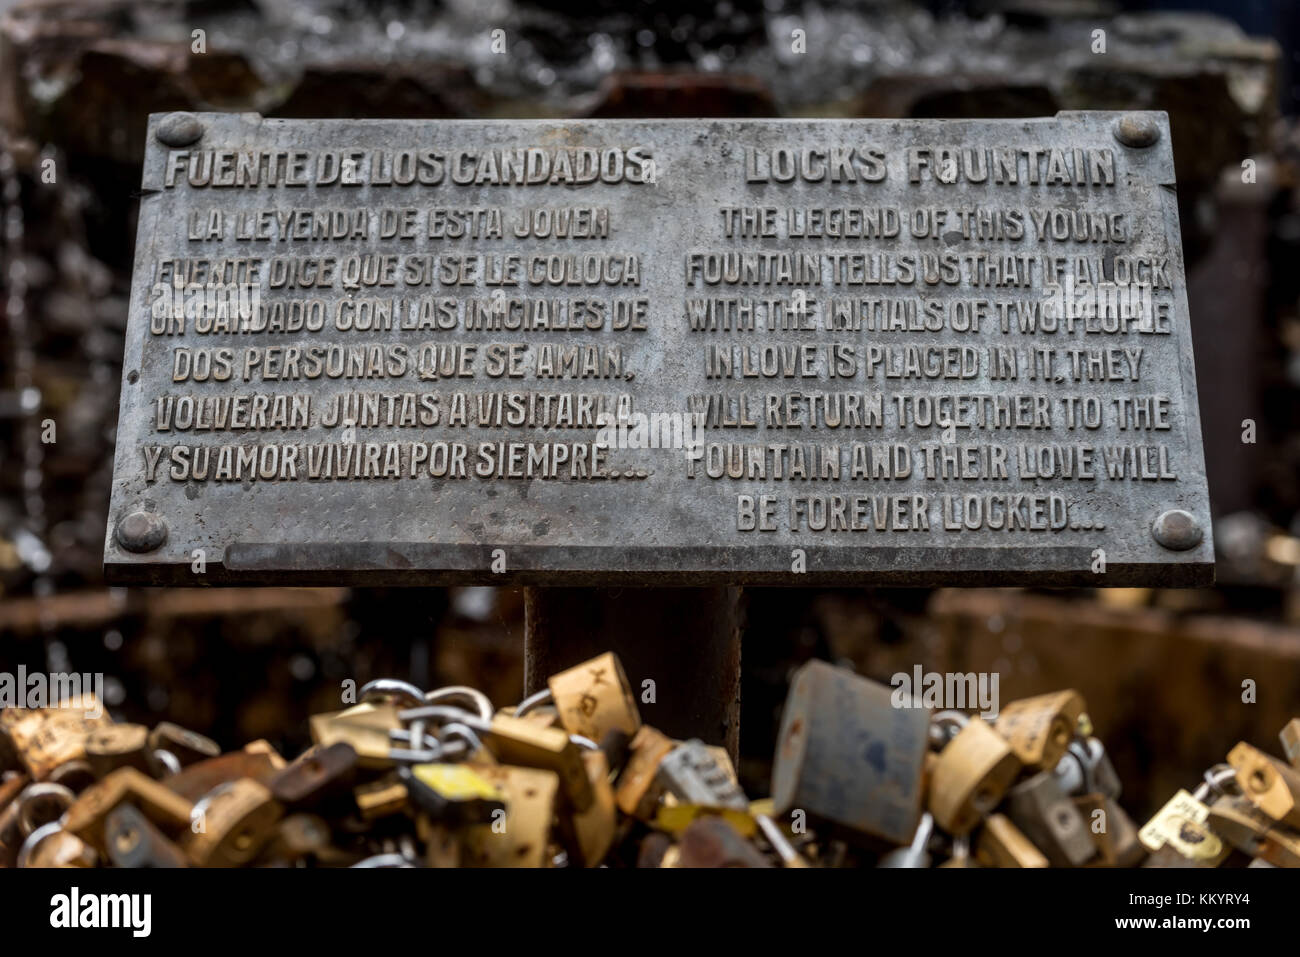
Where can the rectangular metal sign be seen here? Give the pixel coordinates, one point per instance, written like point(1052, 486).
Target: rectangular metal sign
point(650, 351)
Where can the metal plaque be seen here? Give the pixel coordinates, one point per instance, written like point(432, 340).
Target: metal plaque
point(779, 351)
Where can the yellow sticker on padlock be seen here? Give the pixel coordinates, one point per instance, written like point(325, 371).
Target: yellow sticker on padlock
point(456, 782)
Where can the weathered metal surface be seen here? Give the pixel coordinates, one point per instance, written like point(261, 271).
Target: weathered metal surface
point(873, 284)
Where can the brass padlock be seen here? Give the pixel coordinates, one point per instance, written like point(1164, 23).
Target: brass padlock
point(381, 798)
point(87, 816)
point(1113, 832)
point(452, 794)
point(1047, 816)
point(45, 738)
point(202, 777)
point(118, 746)
point(132, 840)
point(1179, 835)
point(1001, 844)
point(636, 793)
point(848, 758)
point(232, 824)
point(519, 836)
point(1270, 785)
point(52, 846)
point(1040, 729)
point(588, 835)
point(520, 742)
point(365, 727)
point(970, 776)
point(594, 698)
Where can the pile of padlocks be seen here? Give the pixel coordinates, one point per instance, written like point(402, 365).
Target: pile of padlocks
point(572, 777)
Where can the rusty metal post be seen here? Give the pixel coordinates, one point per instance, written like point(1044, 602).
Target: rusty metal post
point(685, 640)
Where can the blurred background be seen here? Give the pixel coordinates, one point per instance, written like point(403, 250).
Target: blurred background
point(1162, 670)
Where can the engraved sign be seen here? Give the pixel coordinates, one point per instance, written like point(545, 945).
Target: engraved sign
point(786, 351)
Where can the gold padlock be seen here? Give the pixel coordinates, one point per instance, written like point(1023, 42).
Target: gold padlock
point(1001, 844)
point(1181, 830)
point(364, 726)
point(521, 834)
point(118, 746)
point(594, 698)
point(520, 742)
point(1039, 729)
point(86, 817)
point(232, 824)
point(589, 834)
point(637, 794)
point(1271, 786)
point(45, 738)
point(381, 798)
point(969, 777)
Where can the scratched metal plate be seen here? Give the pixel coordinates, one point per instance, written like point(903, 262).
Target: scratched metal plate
point(642, 520)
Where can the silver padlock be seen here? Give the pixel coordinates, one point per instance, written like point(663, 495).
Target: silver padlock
point(1085, 768)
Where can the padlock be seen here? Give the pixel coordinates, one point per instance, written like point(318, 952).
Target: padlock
point(118, 746)
point(970, 776)
point(1179, 835)
point(520, 836)
point(1002, 844)
point(1047, 816)
point(1040, 729)
point(588, 835)
point(1271, 785)
point(917, 853)
point(848, 758)
point(320, 776)
point(519, 742)
point(86, 817)
point(636, 792)
point(1113, 832)
point(231, 824)
point(1085, 768)
point(455, 795)
point(365, 727)
point(381, 798)
point(132, 840)
point(1290, 738)
point(188, 747)
point(594, 698)
point(1235, 819)
point(202, 777)
point(691, 774)
point(48, 737)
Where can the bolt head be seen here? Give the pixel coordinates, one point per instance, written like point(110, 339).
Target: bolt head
point(1137, 130)
point(141, 531)
point(1177, 530)
point(179, 129)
